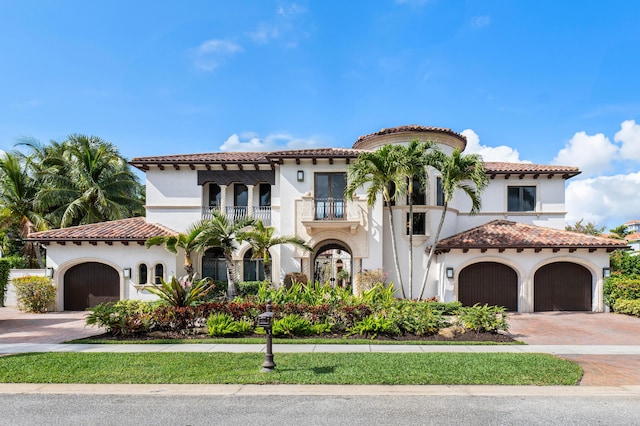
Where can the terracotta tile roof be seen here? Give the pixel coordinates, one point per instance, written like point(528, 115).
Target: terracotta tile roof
point(409, 128)
point(126, 230)
point(633, 237)
point(520, 168)
point(316, 153)
point(503, 234)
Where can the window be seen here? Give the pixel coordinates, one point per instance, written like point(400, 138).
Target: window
point(329, 195)
point(213, 264)
point(439, 192)
point(142, 274)
point(265, 195)
point(419, 195)
point(158, 273)
point(214, 195)
point(253, 269)
point(521, 198)
point(419, 223)
point(240, 195)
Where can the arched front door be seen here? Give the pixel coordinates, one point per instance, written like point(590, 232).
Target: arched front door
point(562, 286)
point(90, 284)
point(332, 264)
point(492, 283)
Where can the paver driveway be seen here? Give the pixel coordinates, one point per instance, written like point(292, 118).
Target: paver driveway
point(52, 327)
point(585, 328)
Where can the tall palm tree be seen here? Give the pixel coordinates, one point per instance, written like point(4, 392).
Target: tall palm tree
point(380, 171)
point(458, 172)
point(415, 170)
point(189, 242)
point(85, 180)
point(18, 210)
point(221, 231)
point(261, 239)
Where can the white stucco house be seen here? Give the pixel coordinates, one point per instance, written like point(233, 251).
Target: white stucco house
point(514, 253)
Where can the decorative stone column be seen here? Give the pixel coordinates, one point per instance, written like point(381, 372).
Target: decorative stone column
point(250, 200)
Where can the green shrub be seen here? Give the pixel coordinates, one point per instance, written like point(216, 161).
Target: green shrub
point(182, 292)
point(483, 318)
point(248, 288)
point(624, 263)
point(621, 287)
point(17, 262)
point(417, 318)
point(445, 308)
point(223, 324)
point(292, 325)
point(373, 325)
point(295, 277)
point(124, 317)
point(34, 294)
point(628, 307)
point(5, 269)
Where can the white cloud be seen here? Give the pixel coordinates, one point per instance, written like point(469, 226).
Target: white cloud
point(480, 21)
point(213, 53)
point(290, 9)
point(279, 141)
point(592, 154)
point(264, 33)
point(605, 200)
point(629, 138)
point(501, 153)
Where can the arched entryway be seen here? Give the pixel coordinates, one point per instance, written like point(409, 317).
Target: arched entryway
point(89, 284)
point(332, 263)
point(492, 283)
point(562, 286)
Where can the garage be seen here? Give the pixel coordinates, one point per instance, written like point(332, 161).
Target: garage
point(89, 284)
point(562, 286)
point(489, 283)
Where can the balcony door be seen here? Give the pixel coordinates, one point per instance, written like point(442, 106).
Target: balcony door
point(329, 195)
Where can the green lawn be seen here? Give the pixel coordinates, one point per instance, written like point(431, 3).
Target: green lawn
point(307, 368)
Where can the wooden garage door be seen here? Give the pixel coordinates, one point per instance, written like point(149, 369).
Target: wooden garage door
point(89, 284)
point(488, 282)
point(562, 286)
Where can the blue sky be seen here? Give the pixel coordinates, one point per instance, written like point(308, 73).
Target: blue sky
point(550, 82)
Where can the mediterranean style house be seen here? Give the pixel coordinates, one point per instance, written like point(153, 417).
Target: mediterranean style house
point(514, 253)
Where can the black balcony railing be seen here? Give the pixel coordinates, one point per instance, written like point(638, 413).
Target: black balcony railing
point(329, 208)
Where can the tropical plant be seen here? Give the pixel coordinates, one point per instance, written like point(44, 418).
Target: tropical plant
point(223, 324)
point(221, 231)
point(458, 172)
point(381, 171)
point(85, 180)
point(189, 242)
point(620, 231)
point(483, 318)
point(5, 270)
point(373, 325)
point(261, 239)
point(124, 317)
point(624, 262)
point(588, 228)
point(182, 292)
point(292, 325)
point(34, 293)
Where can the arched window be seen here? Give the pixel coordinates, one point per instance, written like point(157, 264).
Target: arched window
point(158, 273)
point(253, 269)
point(213, 264)
point(142, 274)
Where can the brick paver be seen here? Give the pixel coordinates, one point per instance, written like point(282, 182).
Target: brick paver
point(52, 327)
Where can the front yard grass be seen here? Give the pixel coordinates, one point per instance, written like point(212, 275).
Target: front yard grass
point(307, 368)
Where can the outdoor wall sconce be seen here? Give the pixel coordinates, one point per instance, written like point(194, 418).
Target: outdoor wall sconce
point(606, 272)
point(449, 272)
point(48, 272)
point(126, 272)
point(300, 175)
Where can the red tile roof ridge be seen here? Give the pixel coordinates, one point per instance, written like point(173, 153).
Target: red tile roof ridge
point(410, 128)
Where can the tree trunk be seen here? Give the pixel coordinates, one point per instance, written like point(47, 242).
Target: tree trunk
point(433, 250)
point(231, 279)
point(395, 250)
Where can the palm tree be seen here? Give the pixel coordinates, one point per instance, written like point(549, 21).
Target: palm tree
point(261, 239)
point(18, 210)
point(380, 170)
point(458, 172)
point(415, 163)
point(85, 180)
point(620, 232)
point(220, 231)
point(189, 242)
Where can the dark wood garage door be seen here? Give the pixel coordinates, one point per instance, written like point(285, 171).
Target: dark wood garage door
point(562, 286)
point(89, 284)
point(488, 282)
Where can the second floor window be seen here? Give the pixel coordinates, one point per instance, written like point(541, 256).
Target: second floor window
point(419, 223)
point(419, 195)
point(265, 195)
point(521, 198)
point(439, 192)
point(329, 195)
point(214, 195)
point(240, 195)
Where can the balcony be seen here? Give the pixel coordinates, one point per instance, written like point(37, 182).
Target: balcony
point(235, 213)
point(331, 213)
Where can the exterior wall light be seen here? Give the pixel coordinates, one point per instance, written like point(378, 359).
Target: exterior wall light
point(48, 272)
point(126, 272)
point(449, 272)
point(300, 175)
point(606, 272)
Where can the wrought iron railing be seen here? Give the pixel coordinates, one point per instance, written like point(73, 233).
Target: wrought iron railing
point(329, 209)
point(236, 213)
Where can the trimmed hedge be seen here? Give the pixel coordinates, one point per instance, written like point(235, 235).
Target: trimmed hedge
point(5, 268)
point(621, 287)
point(34, 293)
point(629, 307)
